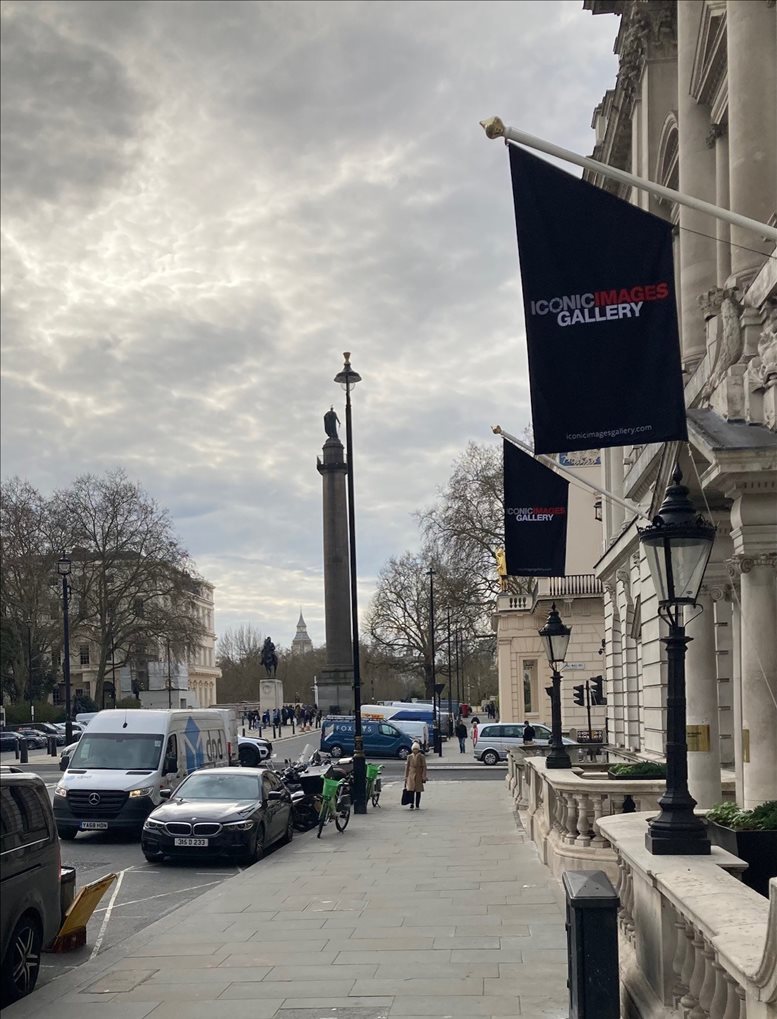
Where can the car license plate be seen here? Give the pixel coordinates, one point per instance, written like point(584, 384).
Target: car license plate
point(191, 842)
point(94, 825)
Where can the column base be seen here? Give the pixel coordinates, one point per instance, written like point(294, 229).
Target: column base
point(559, 761)
point(687, 839)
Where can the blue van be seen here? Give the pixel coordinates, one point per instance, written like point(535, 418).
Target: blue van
point(381, 739)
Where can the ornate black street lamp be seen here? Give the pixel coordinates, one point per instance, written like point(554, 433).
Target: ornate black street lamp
point(64, 565)
point(677, 546)
point(555, 637)
point(348, 379)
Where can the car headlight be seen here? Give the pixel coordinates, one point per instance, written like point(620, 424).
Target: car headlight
point(153, 825)
point(60, 790)
point(145, 791)
point(239, 825)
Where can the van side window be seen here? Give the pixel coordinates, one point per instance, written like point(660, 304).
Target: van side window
point(514, 731)
point(171, 753)
point(388, 730)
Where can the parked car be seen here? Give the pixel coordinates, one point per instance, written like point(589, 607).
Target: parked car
point(495, 740)
point(34, 729)
point(252, 750)
point(220, 812)
point(34, 740)
point(8, 740)
point(29, 881)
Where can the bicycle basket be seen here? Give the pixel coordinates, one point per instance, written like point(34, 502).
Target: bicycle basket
point(330, 787)
point(373, 770)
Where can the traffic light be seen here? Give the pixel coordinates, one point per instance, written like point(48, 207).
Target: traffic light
point(597, 693)
point(579, 694)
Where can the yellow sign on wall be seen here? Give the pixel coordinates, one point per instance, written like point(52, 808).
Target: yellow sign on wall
point(698, 737)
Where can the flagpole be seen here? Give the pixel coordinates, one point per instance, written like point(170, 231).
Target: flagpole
point(495, 128)
point(573, 478)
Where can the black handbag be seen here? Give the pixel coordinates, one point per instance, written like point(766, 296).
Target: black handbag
point(407, 797)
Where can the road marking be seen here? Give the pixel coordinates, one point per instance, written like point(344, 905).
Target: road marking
point(159, 895)
point(107, 917)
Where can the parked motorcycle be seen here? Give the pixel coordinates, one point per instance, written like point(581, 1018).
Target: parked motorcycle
point(304, 779)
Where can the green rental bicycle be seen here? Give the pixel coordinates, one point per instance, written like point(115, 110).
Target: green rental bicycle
point(374, 783)
point(335, 804)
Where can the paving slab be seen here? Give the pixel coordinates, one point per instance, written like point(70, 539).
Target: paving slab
point(445, 913)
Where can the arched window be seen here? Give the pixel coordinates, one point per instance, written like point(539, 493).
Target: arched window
point(668, 162)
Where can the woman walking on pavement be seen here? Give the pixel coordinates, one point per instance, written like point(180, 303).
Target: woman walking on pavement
point(415, 774)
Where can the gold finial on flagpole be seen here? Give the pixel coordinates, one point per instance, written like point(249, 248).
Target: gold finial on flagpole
point(494, 127)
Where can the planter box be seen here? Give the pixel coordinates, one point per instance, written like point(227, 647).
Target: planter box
point(757, 848)
point(635, 778)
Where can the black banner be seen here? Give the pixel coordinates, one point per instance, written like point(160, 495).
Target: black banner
point(536, 500)
point(601, 320)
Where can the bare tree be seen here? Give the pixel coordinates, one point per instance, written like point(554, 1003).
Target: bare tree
point(31, 535)
point(467, 522)
point(133, 582)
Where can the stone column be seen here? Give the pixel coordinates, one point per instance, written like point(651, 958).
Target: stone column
point(701, 696)
point(759, 677)
point(698, 262)
point(752, 124)
point(718, 137)
point(335, 680)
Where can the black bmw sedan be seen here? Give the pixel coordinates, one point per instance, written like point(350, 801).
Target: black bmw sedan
point(235, 812)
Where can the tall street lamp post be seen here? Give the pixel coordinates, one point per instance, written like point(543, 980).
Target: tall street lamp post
point(677, 546)
point(555, 637)
point(450, 674)
point(348, 378)
point(432, 654)
point(64, 565)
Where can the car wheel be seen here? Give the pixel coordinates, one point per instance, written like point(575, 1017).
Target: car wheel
point(336, 750)
point(249, 758)
point(67, 834)
point(403, 753)
point(490, 757)
point(289, 830)
point(22, 960)
point(256, 851)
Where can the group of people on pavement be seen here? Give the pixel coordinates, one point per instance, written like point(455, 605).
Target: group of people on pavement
point(305, 716)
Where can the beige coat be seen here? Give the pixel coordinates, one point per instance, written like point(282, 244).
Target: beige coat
point(415, 772)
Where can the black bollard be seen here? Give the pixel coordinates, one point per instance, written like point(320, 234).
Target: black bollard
point(592, 945)
point(292, 725)
point(23, 752)
point(52, 746)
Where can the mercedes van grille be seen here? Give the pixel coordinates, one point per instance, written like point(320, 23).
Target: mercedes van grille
point(94, 803)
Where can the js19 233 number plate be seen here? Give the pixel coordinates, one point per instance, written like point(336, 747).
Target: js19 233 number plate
point(194, 843)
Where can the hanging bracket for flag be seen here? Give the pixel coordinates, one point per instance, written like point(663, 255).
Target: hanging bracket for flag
point(495, 128)
point(573, 478)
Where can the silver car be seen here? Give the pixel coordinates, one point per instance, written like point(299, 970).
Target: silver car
point(495, 740)
point(30, 915)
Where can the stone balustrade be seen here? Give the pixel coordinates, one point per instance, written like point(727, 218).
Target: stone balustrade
point(695, 943)
point(563, 807)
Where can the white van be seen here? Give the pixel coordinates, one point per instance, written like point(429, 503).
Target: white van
point(126, 757)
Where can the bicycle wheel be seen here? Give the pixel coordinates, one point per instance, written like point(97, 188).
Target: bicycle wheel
point(376, 792)
point(342, 819)
point(323, 817)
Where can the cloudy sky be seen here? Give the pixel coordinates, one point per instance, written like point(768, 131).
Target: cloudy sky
point(205, 203)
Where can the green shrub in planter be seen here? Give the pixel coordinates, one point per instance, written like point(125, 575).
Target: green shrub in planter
point(639, 769)
point(749, 834)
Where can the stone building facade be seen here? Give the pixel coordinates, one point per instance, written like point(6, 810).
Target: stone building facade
point(521, 611)
point(694, 107)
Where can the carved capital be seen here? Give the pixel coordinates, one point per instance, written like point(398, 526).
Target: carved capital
point(741, 564)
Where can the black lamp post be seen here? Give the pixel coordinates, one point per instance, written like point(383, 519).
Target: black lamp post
point(64, 565)
point(348, 379)
point(436, 735)
point(677, 546)
point(555, 637)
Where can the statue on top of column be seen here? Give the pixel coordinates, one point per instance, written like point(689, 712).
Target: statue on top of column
point(331, 421)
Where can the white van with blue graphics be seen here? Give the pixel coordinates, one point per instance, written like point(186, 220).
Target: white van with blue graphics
point(126, 757)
